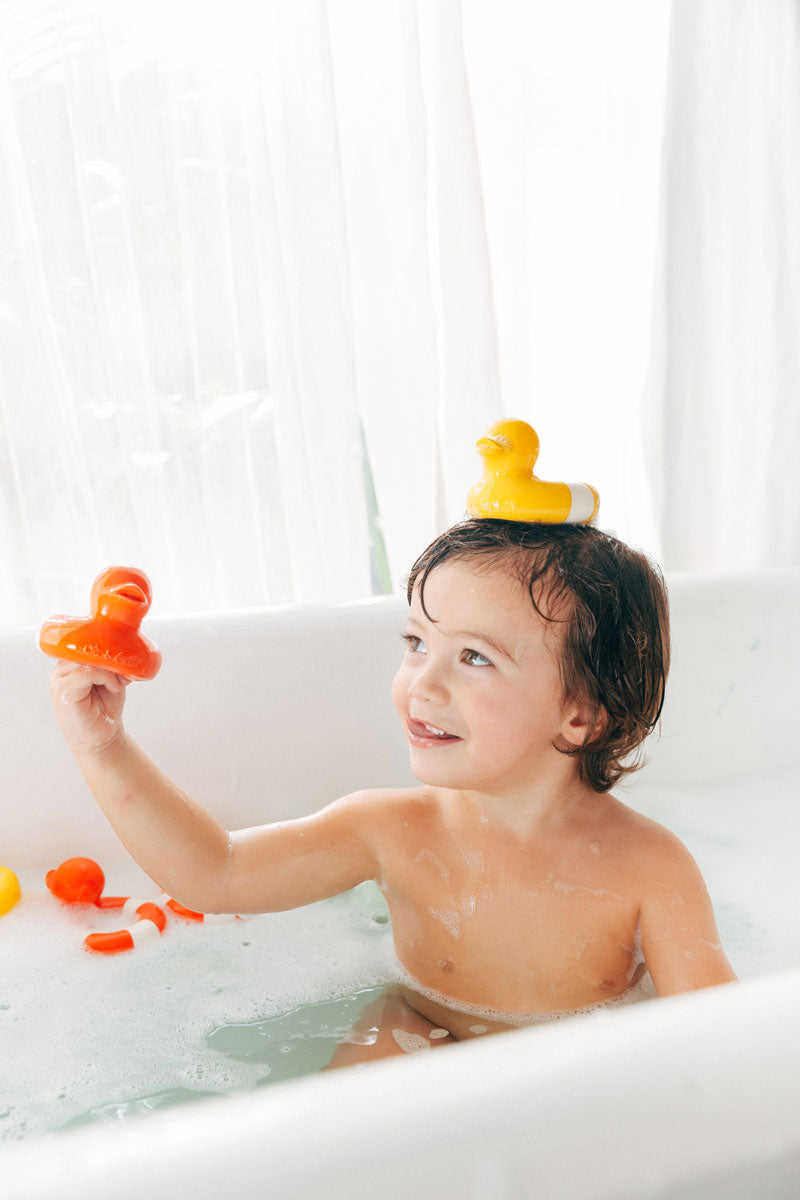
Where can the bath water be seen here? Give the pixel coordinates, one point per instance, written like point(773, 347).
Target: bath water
point(215, 1008)
point(203, 1010)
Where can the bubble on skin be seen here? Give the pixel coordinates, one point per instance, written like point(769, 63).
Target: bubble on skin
point(410, 1043)
point(442, 868)
point(594, 847)
point(459, 910)
point(564, 886)
point(438, 1033)
point(479, 1028)
point(449, 919)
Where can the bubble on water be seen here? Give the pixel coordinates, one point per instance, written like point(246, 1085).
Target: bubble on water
point(120, 1030)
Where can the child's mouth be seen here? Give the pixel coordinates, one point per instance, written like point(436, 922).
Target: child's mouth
point(422, 734)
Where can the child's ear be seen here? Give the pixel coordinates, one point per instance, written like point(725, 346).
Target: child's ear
point(582, 724)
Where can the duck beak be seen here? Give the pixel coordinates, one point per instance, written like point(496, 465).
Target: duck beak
point(493, 445)
point(129, 591)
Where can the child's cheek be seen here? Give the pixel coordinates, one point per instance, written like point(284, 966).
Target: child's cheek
point(400, 690)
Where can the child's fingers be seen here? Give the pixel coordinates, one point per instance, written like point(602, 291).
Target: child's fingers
point(98, 675)
point(72, 681)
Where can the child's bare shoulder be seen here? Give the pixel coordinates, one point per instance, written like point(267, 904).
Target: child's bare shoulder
point(649, 848)
point(390, 805)
point(413, 802)
point(387, 822)
point(679, 936)
point(371, 819)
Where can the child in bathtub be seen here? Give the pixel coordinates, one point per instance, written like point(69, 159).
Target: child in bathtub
point(519, 887)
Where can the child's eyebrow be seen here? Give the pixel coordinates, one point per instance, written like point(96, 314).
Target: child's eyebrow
point(470, 635)
point(474, 635)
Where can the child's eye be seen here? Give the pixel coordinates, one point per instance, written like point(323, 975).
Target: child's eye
point(474, 658)
point(414, 643)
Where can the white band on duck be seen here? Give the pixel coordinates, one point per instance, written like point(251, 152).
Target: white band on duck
point(583, 504)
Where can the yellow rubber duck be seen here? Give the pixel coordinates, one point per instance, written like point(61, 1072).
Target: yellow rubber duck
point(9, 890)
point(509, 490)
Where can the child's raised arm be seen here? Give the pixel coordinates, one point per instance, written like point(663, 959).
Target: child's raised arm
point(680, 940)
point(183, 847)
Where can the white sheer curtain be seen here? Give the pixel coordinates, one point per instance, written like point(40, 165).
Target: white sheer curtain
point(269, 268)
point(723, 399)
point(568, 102)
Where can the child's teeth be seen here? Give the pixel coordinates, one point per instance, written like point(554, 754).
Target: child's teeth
point(432, 729)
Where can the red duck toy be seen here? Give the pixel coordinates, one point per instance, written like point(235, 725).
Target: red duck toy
point(77, 881)
point(110, 638)
point(81, 881)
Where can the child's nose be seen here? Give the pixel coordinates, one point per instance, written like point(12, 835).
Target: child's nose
point(428, 684)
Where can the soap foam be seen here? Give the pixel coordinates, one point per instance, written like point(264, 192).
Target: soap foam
point(80, 1030)
point(639, 991)
point(410, 1043)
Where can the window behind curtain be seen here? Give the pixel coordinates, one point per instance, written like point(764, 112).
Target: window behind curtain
point(269, 269)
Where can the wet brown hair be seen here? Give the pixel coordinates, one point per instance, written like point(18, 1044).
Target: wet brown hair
point(612, 603)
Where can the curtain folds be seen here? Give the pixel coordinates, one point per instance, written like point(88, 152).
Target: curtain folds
point(722, 402)
point(269, 269)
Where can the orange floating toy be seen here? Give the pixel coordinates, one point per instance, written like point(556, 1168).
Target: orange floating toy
point(81, 881)
point(150, 920)
point(180, 910)
point(190, 915)
point(77, 881)
point(110, 637)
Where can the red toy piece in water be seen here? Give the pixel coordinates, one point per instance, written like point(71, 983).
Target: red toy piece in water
point(81, 881)
point(182, 911)
point(150, 921)
point(110, 638)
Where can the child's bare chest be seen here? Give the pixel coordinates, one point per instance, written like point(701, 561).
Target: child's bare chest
point(514, 928)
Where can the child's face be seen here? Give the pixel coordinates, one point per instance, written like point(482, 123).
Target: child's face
point(479, 690)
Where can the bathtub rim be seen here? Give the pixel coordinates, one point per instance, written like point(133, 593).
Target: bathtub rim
point(699, 1108)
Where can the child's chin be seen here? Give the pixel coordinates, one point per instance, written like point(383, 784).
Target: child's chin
point(426, 769)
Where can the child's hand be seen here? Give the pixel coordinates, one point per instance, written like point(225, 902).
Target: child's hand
point(88, 703)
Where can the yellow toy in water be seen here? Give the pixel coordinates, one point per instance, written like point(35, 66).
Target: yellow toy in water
point(9, 890)
point(510, 491)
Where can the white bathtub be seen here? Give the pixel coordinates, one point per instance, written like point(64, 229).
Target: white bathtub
point(696, 1096)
